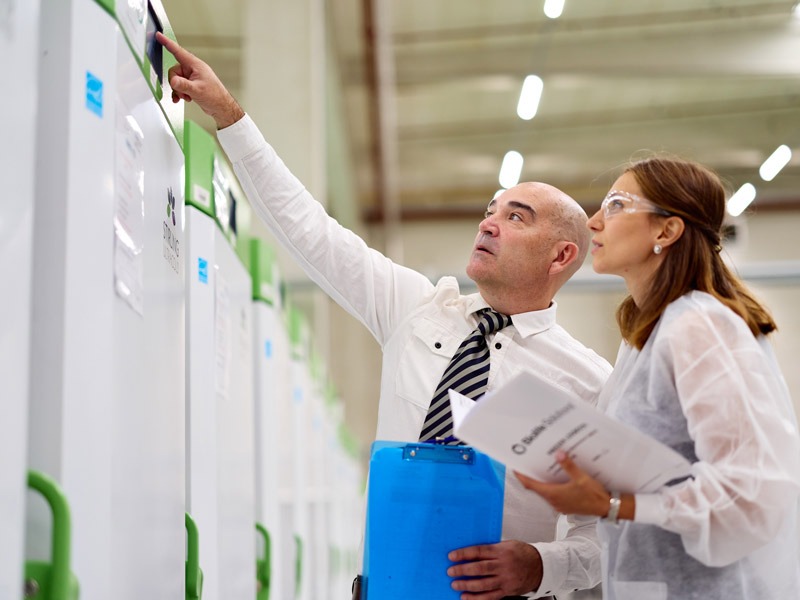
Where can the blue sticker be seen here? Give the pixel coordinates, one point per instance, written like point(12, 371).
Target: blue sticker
point(268, 348)
point(94, 94)
point(202, 270)
point(297, 396)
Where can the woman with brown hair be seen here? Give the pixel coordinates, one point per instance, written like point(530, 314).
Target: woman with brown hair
point(695, 372)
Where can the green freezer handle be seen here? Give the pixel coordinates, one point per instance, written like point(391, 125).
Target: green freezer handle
point(194, 574)
point(54, 580)
point(298, 565)
point(263, 565)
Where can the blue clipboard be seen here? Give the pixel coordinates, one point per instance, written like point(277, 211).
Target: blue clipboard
point(424, 500)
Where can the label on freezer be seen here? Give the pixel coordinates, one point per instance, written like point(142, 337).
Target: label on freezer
point(129, 209)
point(131, 15)
point(201, 195)
point(171, 225)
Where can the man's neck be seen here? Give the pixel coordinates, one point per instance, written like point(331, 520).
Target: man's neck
point(517, 303)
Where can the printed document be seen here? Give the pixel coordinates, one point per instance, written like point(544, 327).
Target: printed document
point(523, 423)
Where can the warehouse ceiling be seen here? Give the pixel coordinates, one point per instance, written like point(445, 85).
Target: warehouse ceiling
point(430, 91)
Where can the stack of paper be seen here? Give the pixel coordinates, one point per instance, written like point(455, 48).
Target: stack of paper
point(523, 423)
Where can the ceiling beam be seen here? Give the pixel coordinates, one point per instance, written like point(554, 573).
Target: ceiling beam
point(748, 14)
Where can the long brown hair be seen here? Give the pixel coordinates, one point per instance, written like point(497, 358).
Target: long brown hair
point(696, 195)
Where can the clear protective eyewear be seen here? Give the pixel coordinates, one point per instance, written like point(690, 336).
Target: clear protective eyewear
point(617, 202)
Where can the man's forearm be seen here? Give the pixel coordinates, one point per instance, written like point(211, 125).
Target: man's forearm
point(229, 113)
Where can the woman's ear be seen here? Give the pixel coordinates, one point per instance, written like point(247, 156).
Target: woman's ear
point(671, 231)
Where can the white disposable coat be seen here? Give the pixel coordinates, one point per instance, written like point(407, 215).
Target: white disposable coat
point(705, 386)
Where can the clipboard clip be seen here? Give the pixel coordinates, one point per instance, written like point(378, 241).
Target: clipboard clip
point(444, 440)
point(439, 453)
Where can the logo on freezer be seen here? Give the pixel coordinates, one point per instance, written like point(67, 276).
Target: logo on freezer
point(202, 270)
point(171, 206)
point(94, 94)
point(172, 245)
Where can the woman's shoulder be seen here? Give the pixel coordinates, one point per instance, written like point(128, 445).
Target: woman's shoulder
point(696, 303)
point(701, 316)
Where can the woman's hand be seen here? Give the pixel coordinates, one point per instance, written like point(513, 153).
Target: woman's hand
point(581, 495)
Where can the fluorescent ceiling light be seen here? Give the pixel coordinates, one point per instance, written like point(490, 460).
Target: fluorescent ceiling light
point(511, 169)
point(796, 11)
point(553, 8)
point(741, 199)
point(529, 97)
point(777, 160)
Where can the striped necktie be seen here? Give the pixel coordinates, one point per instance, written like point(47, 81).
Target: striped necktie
point(467, 373)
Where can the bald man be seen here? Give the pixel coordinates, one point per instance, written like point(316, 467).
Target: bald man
point(532, 239)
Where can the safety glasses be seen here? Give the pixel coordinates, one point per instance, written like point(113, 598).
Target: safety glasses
point(617, 202)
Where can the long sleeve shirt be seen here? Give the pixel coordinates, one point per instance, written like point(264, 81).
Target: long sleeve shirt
point(705, 386)
point(419, 325)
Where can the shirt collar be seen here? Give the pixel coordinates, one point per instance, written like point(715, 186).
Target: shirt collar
point(526, 324)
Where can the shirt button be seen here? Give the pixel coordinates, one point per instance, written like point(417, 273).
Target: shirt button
point(498, 345)
point(437, 345)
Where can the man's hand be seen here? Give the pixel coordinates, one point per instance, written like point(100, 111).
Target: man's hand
point(193, 80)
point(510, 568)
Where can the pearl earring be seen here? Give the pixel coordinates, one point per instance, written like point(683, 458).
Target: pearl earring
point(657, 249)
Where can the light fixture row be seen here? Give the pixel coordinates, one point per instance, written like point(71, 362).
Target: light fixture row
point(527, 106)
point(745, 195)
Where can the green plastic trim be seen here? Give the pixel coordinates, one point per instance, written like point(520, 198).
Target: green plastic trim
point(297, 325)
point(244, 226)
point(194, 575)
point(263, 271)
point(331, 395)
point(242, 245)
point(298, 565)
point(57, 576)
point(200, 152)
point(108, 6)
point(198, 149)
point(317, 368)
point(264, 565)
point(243, 252)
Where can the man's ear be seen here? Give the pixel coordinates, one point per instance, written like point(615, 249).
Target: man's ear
point(671, 231)
point(567, 253)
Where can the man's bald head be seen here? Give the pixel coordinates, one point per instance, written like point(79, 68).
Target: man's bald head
point(534, 237)
point(567, 219)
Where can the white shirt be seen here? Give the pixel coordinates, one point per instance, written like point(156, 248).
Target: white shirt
point(419, 326)
point(705, 386)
